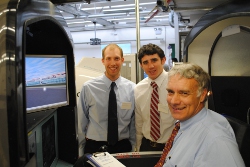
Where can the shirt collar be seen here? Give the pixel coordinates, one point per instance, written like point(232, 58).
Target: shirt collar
point(108, 82)
point(191, 121)
point(159, 79)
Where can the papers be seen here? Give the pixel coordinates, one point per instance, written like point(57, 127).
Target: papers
point(104, 160)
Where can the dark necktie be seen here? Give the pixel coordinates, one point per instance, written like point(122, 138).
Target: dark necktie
point(112, 117)
point(154, 113)
point(168, 146)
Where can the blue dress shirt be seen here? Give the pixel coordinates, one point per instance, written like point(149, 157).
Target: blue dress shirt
point(205, 140)
point(93, 109)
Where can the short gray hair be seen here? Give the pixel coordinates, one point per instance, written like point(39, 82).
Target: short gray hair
point(188, 70)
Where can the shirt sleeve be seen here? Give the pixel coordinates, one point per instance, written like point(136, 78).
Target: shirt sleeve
point(83, 112)
point(222, 152)
point(132, 132)
point(138, 126)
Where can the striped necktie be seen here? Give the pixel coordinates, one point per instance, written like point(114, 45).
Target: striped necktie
point(154, 113)
point(168, 146)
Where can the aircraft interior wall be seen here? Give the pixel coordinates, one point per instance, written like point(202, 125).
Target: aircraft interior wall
point(230, 56)
point(230, 72)
point(46, 37)
point(35, 28)
point(199, 49)
point(226, 56)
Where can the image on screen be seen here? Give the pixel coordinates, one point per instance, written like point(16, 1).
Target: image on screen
point(46, 82)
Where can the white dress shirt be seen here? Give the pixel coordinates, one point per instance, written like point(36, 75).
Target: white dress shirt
point(143, 92)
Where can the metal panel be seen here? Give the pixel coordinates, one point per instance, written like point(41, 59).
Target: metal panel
point(13, 131)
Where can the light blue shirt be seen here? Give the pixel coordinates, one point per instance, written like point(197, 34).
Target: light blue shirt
point(93, 109)
point(205, 140)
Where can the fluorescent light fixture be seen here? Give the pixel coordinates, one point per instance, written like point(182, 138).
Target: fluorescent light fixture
point(95, 8)
point(122, 9)
point(149, 3)
point(141, 4)
point(133, 18)
point(116, 14)
point(117, 6)
point(80, 22)
point(92, 25)
point(109, 14)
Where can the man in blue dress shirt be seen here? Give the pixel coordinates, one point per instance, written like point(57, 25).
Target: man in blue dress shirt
point(93, 106)
point(205, 138)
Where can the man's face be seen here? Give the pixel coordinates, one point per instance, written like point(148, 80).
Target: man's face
point(112, 62)
point(182, 97)
point(152, 65)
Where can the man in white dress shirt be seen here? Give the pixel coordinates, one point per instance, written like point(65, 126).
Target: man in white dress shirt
point(152, 60)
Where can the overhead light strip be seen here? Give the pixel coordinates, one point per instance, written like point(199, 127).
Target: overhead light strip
point(133, 18)
point(79, 22)
point(115, 19)
point(122, 9)
point(141, 4)
point(117, 6)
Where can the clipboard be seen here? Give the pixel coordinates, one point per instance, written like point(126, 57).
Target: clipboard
point(104, 159)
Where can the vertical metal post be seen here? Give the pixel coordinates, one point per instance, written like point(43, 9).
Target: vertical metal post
point(95, 28)
point(177, 38)
point(138, 45)
point(137, 25)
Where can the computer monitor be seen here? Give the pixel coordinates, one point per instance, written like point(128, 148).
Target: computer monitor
point(45, 82)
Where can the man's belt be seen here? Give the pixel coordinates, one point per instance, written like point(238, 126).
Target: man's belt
point(154, 144)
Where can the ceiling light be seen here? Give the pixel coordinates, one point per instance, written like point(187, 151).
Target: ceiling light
point(123, 9)
point(79, 22)
point(121, 19)
point(117, 6)
point(94, 8)
point(141, 4)
point(109, 14)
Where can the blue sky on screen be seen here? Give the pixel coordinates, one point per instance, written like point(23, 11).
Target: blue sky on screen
point(41, 67)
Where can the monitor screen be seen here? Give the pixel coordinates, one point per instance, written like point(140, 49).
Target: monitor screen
point(46, 82)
